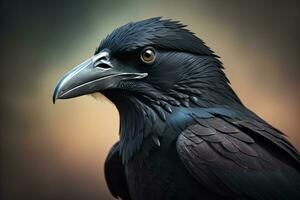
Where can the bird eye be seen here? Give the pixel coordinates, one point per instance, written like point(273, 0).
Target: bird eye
point(148, 55)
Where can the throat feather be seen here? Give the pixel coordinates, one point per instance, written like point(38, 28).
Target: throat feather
point(138, 121)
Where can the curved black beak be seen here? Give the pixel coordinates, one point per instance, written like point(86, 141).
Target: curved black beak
point(93, 75)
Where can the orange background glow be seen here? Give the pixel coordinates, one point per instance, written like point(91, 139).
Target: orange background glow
point(57, 151)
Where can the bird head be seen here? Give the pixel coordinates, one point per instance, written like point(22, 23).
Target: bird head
point(151, 70)
point(152, 60)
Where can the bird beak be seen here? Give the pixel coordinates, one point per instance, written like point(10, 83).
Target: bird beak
point(93, 75)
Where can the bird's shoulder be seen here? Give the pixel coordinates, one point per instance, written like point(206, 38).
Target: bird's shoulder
point(213, 138)
point(229, 159)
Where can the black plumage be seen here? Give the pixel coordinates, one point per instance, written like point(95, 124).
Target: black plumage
point(184, 133)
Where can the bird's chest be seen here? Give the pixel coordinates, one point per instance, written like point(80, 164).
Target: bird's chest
point(152, 178)
point(158, 176)
point(157, 173)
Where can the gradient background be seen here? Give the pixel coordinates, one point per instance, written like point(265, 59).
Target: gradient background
point(57, 152)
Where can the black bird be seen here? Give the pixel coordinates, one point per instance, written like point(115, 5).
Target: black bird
point(184, 133)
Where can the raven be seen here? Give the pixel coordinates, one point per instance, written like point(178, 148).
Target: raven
point(184, 133)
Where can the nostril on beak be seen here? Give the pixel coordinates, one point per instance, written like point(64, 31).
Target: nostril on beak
point(103, 65)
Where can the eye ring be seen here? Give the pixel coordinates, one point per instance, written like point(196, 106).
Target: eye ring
point(148, 55)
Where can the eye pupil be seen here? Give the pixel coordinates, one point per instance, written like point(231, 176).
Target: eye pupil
point(148, 55)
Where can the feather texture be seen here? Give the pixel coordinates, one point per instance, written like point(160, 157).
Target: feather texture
point(239, 164)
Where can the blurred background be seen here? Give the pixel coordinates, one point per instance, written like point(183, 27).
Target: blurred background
point(56, 152)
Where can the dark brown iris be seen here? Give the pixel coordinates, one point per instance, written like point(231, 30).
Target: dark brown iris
point(148, 55)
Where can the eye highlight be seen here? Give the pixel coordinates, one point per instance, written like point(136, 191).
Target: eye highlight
point(148, 55)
